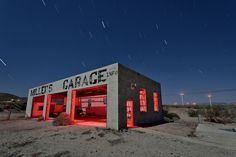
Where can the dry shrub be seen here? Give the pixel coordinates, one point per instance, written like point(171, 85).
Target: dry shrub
point(173, 116)
point(170, 117)
point(62, 120)
point(193, 112)
point(40, 119)
point(218, 114)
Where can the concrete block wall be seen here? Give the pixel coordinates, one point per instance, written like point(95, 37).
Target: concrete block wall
point(128, 78)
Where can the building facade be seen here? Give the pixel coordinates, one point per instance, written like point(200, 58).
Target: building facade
point(113, 96)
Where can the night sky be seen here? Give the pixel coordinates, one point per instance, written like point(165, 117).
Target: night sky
point(187, 45)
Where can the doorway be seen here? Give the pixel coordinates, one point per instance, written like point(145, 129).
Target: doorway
point(91, 106)
point(56, 104)
point(37, 107)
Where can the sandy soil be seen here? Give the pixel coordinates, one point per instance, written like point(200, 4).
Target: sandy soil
point(186, 126)
point(217, 134)
point(32, 138)
point(14, 116)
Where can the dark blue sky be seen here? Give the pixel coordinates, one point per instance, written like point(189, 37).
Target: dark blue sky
point(187, 45)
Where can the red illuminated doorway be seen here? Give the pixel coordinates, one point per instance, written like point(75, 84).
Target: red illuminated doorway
point(91, 106)
point(56, 104)
point(130, 114)
point(37, 107)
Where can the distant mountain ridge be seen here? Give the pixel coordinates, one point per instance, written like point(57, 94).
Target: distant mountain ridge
point(8, 97)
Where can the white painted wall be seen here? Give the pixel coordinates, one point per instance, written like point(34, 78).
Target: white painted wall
point(111, 80)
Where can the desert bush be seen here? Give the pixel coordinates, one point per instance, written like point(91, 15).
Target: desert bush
point(40, 119)
point(173, 115)
point(165, 112)
point(193, 112)
point(62, 120)
point(192, 133)
point(218, 114)
point(23, 106)
point(170, 117)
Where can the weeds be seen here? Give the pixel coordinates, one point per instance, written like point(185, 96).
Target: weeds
point(218, 114)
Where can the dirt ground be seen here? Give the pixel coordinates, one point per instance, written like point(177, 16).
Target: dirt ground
point(185, 126)
point(21, 137)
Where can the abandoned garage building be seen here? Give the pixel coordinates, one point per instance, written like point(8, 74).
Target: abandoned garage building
point(113, 96)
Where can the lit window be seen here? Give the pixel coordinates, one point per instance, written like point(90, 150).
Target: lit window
point(143, 101)
point(155, 100)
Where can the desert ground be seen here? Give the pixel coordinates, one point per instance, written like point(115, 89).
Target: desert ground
point(182, 138)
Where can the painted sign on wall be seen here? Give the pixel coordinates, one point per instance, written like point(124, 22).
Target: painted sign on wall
point(78, 81)
point(41, 90)
point(93, 78)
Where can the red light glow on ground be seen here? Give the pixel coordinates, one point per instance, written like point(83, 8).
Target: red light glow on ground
point(94, 122)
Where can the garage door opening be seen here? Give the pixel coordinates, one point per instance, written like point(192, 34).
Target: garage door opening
point(56, 104)
point(37, 107)
point(91, 106)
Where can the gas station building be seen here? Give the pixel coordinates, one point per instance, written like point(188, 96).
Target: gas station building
point(113, 96)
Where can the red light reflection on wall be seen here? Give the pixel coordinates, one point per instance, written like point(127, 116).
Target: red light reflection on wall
point(143, 101)
point(49, 98)
point(37, 107)
point(73, 101)
point(130, 114)
point(155, 101)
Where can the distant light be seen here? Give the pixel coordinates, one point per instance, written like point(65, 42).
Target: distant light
point(83, 64)
point(157, 27)
point(103, 25)
point(44, 3)
point(3, 62)
point(181, 94)
point(57, 10)
point(129, 57)
point(165, 42)
point(91, 35)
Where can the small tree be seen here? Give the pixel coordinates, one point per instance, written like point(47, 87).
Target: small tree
point(9, 111)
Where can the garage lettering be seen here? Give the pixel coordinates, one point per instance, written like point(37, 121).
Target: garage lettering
point(82, 81)
point(41, 90)
point(91, 78)
point(101, 75)
point(64, 84)
point(85, 81)
point(77, 81)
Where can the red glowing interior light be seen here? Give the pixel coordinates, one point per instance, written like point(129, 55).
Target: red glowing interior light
point(143, 100)
point(88, 106)
point(49, 98)
point(130, 114)
point(73, 101)
point(155, 101)
point(37, 107)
